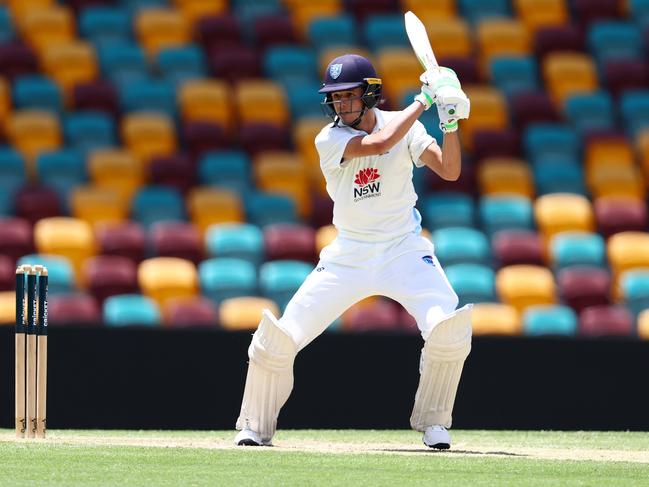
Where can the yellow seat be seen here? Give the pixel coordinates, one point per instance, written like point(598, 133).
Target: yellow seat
point(206, 100)
point(19, 8)
point(32, 132)
point(163, 278)
point(72, 238)
point(99, 204)
point(5, 103)
point(643, 324)
point(500, 175)
point(568, 73)
point(400, 70)
point(43, 28)
point(324, 236)
point(449, 37)
point(7, 307)
point(613, 179)
point(641, 144)
point(488, 111)
point(207, 206)
point(284, 172)
point(521, 286)
point(498, 37)
point(147, 135)
point(626, 250)
point(495, 319)
point(193, 10)
point(304, 134)
point(536, 14)
point(118, 169)
point(330, 53)
point(427, 10)
point(261, 101)
point(303, 13)
point(70, 64)
point(560, 212)
point(159, 28)
point(244, 313)
point(606, 152)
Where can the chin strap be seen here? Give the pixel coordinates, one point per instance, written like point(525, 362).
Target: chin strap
point(355, 123)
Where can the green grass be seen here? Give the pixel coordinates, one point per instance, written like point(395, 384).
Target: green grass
point(393, 458)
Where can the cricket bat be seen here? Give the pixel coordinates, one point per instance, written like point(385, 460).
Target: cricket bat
point(419, 39)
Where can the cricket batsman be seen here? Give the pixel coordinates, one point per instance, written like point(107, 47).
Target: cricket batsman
point(367, 157)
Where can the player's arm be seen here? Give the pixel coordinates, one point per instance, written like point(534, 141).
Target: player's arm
point(445, 161)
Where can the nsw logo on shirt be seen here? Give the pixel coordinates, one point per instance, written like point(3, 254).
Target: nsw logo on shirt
point(366, 184)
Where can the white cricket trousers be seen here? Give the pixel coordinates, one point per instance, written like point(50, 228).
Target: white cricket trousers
point(405, 270)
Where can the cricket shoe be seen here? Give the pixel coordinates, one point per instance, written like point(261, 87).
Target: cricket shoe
point(437, 436)
point(247, 437)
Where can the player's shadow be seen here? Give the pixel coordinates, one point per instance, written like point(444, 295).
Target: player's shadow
point(456, 452)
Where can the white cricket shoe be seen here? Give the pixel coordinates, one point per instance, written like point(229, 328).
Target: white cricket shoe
point(437, 436)
point(247, 437)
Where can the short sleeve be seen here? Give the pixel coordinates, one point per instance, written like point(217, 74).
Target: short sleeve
point(331, 144)
point(418, 140)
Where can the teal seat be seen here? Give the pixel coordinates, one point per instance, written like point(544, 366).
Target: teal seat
point(7, 30)
point(131, 309)
point(473, 283)
point(222, 278)
point(59, 270)
point(324, 32)
point(304, 100)
point(123, 63)
point(280, 279)
point(614, 40)
point(236, 240)
point(153, 204)
point(227, 168)
point(476, 10)
point(634, 107)
point(61, 170)
point(148, 95)
point(291, 65)
point(639, 10)
point(558, 176)
point(385, 30)
point(589, 112)
point(513, 75)
point(505, 213)
point(180, 64)
point(578, 249)
point(266, 208)
point(86, 131)
point(455, 245)
point(635, 290)
point(37, 92)
point(12, 170)
point(551, 140)
point(447, 209)
point(550, 320)
point(105, 25)
point(6, 203)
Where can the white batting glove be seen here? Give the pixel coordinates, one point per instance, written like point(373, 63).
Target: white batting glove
point(452, 103)
point(426, 97)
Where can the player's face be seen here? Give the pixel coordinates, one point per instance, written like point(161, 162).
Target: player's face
point(348, 104)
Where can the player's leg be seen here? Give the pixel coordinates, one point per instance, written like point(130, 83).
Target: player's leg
point(326, 293)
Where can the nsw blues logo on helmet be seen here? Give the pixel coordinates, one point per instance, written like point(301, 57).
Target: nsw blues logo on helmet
point(335, 70)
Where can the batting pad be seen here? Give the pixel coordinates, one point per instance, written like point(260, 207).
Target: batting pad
point(270, 377)
point(443, 356)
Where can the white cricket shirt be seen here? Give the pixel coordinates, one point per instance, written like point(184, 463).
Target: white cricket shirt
point(374, 198)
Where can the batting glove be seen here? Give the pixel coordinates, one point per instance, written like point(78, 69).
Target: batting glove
point(426, 97)
point(452, 105)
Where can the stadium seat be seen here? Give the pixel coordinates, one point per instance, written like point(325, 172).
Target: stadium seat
point(176, 171)
point(107, 275)
point(16, 238)
point(259, 137)
point(559, 212)
point(544, 141)
point(515, 247)
point(73, 309)
point(126, 239)
point(505, 212)
point(290, 242)
point(577, 249)
point(558, 176)
point(495, 319)
point(17, 59)
point(473, 283)
point(7, 30)
point(68, 237)
point(303, 13)
point(160, 28)
point(339, 30)
point(384, 30)
point(148, 135)
point(606, 321)
point(513, 75)
point(401, 71)
point(634, 106)
point(244, 313)
point(32, 132)
point(261, 101)
point(280, 279)
point(87, 131)
point(149, 95)
point(450, 209)
point(443, 9)
point(176, 239)
point(38, 93)
point(291, 65)
point(525, 285)
point(95, 204)
point(207, 206)
point(61, 277)
point(639, 12)
point(61, 170)
point(450, 37)
point(627, 250)
point(614, 40)
point(12, 170)
point(190, 312)
point(97, 95)
point(505, 176)
point(235, 240)
point(377, 315)
point(131, 309)
point(613, 179)
point(496, 143)
point(157, 203)
point(499, 37)
point(104, 24)
point(615, 214)
point(178, 65)
point(201, 137)
point(206, 101)
point(226, 277)
point(532, 107)
point(272, 30)
point(226, 169)
point(214, 30)
point(590, 112)
point(589, 11)
point(581, 287)
point(45, 27)
point(70, 64)
point(558, 38)
point(568, 73)
point(267, 208)
point(550, 320)
point(34, 202)
point(235, 63)
point(488, 111)
point(604, 150)
point(162, 278)
point(538, 14)
point(478, 10)
point(455, 245)
point(123, 63)
point(634, 287)
point(284, 173)
point(117, 169)
point(194, 10)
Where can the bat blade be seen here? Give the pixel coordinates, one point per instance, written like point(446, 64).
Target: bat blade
point(419, 39)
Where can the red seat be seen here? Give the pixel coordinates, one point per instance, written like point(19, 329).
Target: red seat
point(381, 315)
point(625, 74)
point(34, 202)
point(533, 107)
point(614, 215)
point(465, 184)
point(588, 11)
point(108, 275)
point(126, 239)
point(177, 239)
point(200, 137)
point(73, 309)
point(218, 30)
point(234, 63)
point(362, 8)
point(96, 95)
point(513, 247)
point(17, 59)
point(606, 320)
point(271, 30)
point(581, 287)
point(259, 137)
point(496, 143)
point(174, 170)
point(16, 237)
point(7, 273)
point(557, 38)
point(322, 209)
point(466, 68)
point(197, 311)
point(294, 242)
